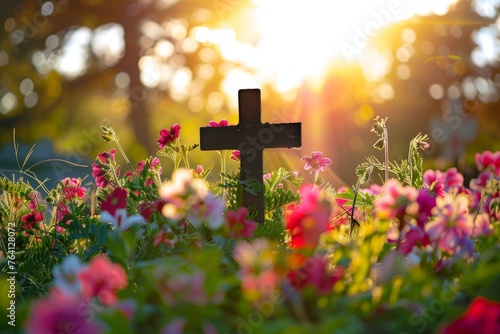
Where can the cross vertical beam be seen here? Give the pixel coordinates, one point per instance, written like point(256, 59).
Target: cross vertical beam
point(251, 137)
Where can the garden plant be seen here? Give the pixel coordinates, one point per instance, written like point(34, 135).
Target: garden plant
point(130, 250)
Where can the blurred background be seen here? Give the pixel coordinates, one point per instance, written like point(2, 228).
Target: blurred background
point(68, 67)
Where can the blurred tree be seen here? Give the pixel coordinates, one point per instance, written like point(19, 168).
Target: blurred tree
point(445, 69)
point(139, 65)
point(55, 54)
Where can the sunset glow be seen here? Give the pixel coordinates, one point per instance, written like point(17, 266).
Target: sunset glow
point(300, 39)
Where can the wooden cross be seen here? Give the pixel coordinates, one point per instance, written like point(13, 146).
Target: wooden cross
point(251, 137)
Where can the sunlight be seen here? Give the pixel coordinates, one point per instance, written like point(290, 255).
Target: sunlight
point(300, 39)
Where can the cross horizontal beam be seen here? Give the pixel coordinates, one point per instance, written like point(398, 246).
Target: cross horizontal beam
point(251, 137)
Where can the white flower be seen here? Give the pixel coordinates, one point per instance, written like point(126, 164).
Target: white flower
point(66, 275)
point(120, 219)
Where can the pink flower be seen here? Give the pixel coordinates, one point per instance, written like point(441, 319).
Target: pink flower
point(72, 189)
point(235, 155)
point(316, 162)
point(239, 226)
point(315, 273)
point(488, 160)
point(199, 170)
point(101, 279)
point(167, 137)
point(113, 210)
point(440, 182)
point(452, 225)
point(306, 221)
point(102, 168)
point(114, 201)
point(482, 226)
point(184, 288)
point(482, 316)
point(222, 122)
point(155, 166)
point(209, 211)
point(257, 260)
point(254, 256)
point(106, 157)
point(189, 198)
point(62, 313)
point(259, 285)
point(396, 201)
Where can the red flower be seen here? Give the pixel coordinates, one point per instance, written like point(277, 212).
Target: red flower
point(167, 137)
point(308, 220)
point(239, 226)
point(101, 279)
point(315, 273)
point(482, 316)
point(146, 209)
point(31, 219)
point(114, 201)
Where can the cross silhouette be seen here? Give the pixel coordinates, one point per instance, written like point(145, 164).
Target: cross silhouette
point(251, 137)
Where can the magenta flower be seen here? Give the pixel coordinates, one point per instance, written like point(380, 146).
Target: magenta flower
point(115, 201)
point(31, 220)
point(114, 210)
point(102, 279)
point(315, 273)
point(101, 169)
point(453, 224)
point(61, 313)
point(106, 157)
point(238, 225)
point(415, 236)
point(440, 182)
point(167, 137)
point(214, 124)
point(235, 155)
point(316, 162)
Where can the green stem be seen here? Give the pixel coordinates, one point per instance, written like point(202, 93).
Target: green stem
point(410, 162)
point(222, 154)
point(115, 137)
point(386, 153)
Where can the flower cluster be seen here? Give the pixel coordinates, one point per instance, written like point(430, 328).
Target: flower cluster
point(145, 252)
point(77, 289)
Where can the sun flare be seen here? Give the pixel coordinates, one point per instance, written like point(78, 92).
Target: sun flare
point(300, 39)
